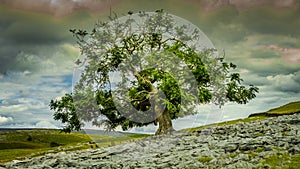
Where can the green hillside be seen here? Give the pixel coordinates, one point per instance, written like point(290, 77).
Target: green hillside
point(20, 143)
point(293, 107)
point(290, 108)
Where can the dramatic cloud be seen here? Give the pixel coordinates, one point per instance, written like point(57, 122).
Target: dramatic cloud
point(37, 52)
point(21, 37)
point(27, 39)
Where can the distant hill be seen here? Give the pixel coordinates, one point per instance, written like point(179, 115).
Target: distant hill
point(102, 132)
point(290, 108)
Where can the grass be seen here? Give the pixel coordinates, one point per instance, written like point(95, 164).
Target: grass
point(18, 144)
point(289, 108)
point(15, 144)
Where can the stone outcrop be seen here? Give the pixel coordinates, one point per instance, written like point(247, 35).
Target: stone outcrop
point(241, 145)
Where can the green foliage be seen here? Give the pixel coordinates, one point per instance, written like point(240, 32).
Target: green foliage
point(65, 111)
point(114, 47)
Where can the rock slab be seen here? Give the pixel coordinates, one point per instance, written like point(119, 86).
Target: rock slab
point(241, 145)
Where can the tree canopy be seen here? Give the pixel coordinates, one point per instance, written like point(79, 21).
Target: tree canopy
point(146, 68)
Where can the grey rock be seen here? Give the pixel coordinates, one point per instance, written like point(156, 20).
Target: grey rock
point(224, 147)
point(230, 147)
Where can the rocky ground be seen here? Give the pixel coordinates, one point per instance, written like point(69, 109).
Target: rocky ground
point(241, 145)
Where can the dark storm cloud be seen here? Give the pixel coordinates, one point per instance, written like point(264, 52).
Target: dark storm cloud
point(25, 35)
point(232, 21)
point(269, 20)
point(19, 27)
point(266, 67)
point(7, 57)
point(28, 32)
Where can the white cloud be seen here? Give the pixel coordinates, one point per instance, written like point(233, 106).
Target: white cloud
point(26, 97)
point(13, 108)
point(4, 120)
point(286, 83)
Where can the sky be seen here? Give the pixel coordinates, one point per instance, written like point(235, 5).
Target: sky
point(37, 51)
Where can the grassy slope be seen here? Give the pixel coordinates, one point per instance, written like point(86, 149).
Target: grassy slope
point(17, 144)
point(290, 108)
point(293, 107)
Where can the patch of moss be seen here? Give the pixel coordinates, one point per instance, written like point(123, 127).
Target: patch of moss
point(251, 154)
point(258, 134)
point(232, 155)
point(260, 149)
point(205, 159)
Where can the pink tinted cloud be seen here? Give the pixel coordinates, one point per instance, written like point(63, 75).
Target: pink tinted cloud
point(291, 55)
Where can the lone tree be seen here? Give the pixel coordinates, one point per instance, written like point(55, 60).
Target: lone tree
point(146, 68)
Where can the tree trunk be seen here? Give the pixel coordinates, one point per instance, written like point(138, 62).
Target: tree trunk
point(164, 123)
